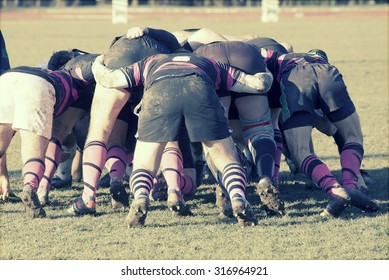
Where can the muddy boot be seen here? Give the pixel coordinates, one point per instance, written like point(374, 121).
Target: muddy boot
point(159, 191)
point(176, 203)
point(138, 212)
point(119, 195)
point(31, 202)
point(243, 212)
point(269, 196)
point(361, 200)
point(337, 203)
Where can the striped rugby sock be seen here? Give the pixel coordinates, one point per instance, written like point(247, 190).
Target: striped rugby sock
point(52, 159)
point(141, 182)
point(94, 156)
point(32, 172)
point(172, 165)
point(116, 162)
point(350, 160)
point(234, 180)
point(319, 173)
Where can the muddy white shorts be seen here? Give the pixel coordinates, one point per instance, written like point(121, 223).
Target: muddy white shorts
point(27, 102)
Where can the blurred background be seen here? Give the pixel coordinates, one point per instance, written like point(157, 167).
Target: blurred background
point(228, 3)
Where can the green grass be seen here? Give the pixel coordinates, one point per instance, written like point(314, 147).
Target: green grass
point(358, 45)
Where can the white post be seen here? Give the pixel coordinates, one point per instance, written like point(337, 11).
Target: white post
point(119, 11)
point(270, 9)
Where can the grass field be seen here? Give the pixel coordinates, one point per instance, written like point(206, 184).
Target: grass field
point(356, 41)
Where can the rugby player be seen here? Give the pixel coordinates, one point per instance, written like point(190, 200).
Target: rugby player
point(254, 117)
point(63, 125)
point(32, 115)
point(308, 82)
point(106, 105)
point(163, 112)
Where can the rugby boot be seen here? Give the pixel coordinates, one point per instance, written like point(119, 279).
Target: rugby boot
point(159, 191)
point(176, 203)
point(80, 208)
point(361, 200)
point(243, 212)
point(223, 202)
point(337, 203)
point(269, 196)
point(12, 198)
point(119, 195)
point(104, 181)
point(31, 202)
point(138, 211)
point(57, 182)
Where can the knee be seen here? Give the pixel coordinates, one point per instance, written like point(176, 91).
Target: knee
point(257, 129)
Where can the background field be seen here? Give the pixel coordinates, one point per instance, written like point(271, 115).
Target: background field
point(356, 41)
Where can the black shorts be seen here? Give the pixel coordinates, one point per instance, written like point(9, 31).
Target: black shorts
point(313, 86)
point(174, 101)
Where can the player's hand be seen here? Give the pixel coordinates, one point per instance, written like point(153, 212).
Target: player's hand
point(136, 32)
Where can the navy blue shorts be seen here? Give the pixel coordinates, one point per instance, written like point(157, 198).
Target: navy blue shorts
point(173, 102)
point(313, 86)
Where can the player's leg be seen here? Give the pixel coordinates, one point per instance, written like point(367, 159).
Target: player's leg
point(147, 157)
point(226, 161)
point(106, 106)
point(297, 132)
point(62, 126)
point(172, 169)
point(6, 135)
point(63, 175)
point(116, 163)
point(34, 120)
point(351, 158)
point(340, 110)
point(33, 149)
point(258, 133)
point(188, 178)
point(206, 121)
point(81, 131)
